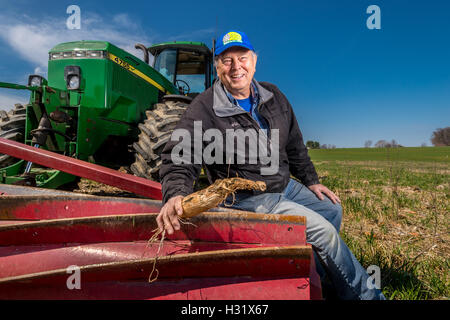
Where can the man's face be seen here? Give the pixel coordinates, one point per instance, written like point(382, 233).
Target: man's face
point(235, 69)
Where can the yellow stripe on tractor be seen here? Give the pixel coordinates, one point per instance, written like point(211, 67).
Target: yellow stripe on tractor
point(132, 69)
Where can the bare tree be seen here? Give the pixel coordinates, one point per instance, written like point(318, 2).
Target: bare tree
point(394, 144)
point(386, 144)
point(367, 144)
point(381, 144)
point(441, 137)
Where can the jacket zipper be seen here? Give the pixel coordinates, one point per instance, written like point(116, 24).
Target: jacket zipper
point(258, 126)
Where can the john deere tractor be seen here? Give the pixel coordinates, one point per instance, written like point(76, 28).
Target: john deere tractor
point(104, 105)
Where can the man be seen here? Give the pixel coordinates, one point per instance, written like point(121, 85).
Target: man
point(239, 103)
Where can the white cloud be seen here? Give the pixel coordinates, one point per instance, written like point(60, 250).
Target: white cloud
point(40, 71)
point(33, 39)
point(7, 101)
point(124, 20)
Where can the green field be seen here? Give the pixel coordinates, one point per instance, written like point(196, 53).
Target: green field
point(396, 214)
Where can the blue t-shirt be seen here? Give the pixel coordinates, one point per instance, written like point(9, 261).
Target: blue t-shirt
point(246, 104)
point(250, 105)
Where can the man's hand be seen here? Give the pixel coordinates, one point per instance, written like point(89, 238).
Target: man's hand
point(168, 216)
point(318, 189)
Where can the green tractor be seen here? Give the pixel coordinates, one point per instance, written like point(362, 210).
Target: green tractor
point(103, 105)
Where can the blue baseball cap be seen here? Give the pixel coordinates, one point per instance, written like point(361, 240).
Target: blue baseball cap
point(232, 38)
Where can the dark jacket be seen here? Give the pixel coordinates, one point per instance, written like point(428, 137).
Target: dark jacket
point(214, 110)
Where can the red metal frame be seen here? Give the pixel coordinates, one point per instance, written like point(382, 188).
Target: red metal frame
point(231, 226)
point(82, 169)
point(230, 288)
point(221, 255)
point(38, 207)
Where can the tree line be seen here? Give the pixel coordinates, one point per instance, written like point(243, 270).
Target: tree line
point(316, 145)
point(439, 138)
point(382, 144)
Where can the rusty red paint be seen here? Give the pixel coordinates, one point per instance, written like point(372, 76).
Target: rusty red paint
point(232, 288)
point(22, 260)
point(253, 261)
point(38, 207)
point(218, 227)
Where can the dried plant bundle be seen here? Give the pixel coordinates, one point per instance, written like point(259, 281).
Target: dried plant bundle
point(216, 193)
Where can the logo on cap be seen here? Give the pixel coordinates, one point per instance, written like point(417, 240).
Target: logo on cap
point(231, 37)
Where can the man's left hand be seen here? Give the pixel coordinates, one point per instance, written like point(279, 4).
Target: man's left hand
point(320, 189)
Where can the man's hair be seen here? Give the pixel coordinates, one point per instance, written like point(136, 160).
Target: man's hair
point(216, 58)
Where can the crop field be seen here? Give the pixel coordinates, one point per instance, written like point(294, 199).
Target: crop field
point(396, 214)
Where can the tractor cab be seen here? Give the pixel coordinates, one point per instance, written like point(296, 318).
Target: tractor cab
point(188, 65)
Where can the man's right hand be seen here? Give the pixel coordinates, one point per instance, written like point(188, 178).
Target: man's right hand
point(168, 216)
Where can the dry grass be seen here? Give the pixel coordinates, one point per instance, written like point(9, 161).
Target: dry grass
point(396, 216)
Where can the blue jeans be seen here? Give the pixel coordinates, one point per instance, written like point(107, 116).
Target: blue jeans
point(323, 220)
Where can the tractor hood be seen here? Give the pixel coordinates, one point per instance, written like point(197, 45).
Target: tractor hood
point(84, 45)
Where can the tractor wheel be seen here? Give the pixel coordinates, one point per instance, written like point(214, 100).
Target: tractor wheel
point(12, 127)
point(155, 132)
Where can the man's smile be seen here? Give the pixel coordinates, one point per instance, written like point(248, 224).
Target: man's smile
point(237, 77)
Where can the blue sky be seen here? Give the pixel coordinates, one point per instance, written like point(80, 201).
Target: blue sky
point(346, 83)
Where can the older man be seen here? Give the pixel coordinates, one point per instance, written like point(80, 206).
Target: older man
point(238, 102)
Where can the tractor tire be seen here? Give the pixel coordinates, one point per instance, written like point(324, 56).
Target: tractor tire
point(12, 127)
point(155, 132)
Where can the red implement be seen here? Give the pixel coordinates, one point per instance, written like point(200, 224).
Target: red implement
point(219, 255)
point(127, 182)
point(52, 240)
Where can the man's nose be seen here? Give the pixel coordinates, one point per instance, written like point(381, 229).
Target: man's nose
point(236, 64)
